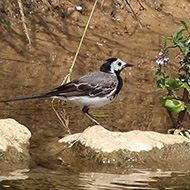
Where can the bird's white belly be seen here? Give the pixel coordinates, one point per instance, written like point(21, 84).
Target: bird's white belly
point(90, 101)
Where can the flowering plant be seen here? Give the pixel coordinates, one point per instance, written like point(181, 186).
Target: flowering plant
point(175, 101)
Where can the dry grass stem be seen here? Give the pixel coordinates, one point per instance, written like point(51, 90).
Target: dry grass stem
point(24, 22)
point(133, 13)
point(62, 115)
point(63, 118)
point(142, 7)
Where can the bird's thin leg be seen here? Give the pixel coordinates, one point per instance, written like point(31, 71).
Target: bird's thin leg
point(85, 112)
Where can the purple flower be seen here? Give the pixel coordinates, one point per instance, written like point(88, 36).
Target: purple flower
point(163, 61)
point(160, 61)
point(161, 53)
point(166, 59)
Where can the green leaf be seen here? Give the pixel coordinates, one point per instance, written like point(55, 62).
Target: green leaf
point(160, 74)
point(173, 46)
point(180, 79)
point(179, 42)
point(188, 18)
point(185, 85)
point(184, 24)
point(178, 34)
point(158, 71)
point(188, 108)
point(167, 38)
point(173, 105)
point(171, 83)
point(186, 50)
point(160, 85)
point(187, 65)
point(188, 30)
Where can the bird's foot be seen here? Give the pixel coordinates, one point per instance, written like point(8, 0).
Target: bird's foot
point(97, 123)
point(85, 112)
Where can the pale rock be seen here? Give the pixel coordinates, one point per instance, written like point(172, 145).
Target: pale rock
point(100, 139)
point(14, 140)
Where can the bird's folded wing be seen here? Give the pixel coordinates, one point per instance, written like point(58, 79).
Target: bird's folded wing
point(82, 88)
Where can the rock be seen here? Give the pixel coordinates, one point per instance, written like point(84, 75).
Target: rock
point(14, 142)
point(20, 174)
point(99, 138)
point(137, 146)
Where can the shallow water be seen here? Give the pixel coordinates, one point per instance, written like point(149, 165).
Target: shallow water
point(42, 178)
point(55, 31)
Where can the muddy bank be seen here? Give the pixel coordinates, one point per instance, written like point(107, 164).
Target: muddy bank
point(55, 30)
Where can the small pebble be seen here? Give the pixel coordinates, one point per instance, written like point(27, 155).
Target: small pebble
point(79, 8)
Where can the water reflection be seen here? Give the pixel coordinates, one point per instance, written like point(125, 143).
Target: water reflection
point(42, 178)
point(139, 179)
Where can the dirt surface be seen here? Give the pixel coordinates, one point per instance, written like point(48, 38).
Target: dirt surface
point(55, 29)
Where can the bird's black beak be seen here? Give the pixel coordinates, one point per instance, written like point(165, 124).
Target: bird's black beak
point(128, 65)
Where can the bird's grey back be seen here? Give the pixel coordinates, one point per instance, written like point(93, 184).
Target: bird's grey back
point(99, 78)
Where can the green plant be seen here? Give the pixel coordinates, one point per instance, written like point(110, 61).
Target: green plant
point(177, 88)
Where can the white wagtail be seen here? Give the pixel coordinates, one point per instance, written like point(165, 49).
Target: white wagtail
point(92, 90)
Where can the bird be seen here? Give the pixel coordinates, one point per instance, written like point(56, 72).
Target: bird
point(93, 90)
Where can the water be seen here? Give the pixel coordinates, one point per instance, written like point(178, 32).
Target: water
point(42, 178)
point(55, 30)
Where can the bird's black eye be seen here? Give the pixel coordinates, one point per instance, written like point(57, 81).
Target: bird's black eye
point(119, 63)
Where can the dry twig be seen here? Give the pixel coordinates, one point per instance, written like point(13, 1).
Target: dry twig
point(24, 21)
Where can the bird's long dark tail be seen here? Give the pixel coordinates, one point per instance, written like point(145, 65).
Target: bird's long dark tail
point(27, 98)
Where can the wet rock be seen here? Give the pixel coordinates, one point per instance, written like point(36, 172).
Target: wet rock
point(18, 174)
point(135, 146)
point(14, 141)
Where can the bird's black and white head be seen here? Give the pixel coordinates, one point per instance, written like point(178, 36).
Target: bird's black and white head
point(114, 66)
